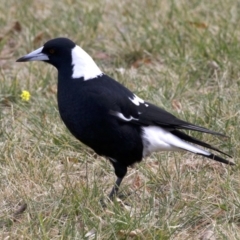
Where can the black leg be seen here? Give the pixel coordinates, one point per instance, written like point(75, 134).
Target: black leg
point(115, 188)
point(120, 171)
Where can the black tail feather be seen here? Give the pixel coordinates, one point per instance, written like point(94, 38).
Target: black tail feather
point(200, 129)
point(193, 140)
point(218, 159)
point(190, 139)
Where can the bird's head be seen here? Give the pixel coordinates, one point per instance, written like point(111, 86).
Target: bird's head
point(67, 57)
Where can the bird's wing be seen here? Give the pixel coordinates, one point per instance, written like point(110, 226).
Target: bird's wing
point(137, 111)
point(128, 107)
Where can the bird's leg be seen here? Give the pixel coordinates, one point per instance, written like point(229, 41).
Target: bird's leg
point(115, 188)
point(120, 171)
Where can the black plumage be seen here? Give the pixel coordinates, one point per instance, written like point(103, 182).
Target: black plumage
point(108, 117)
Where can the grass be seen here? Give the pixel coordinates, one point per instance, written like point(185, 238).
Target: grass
point(180, 55)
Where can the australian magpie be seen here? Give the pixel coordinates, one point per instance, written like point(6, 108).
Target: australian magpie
point(108, 117)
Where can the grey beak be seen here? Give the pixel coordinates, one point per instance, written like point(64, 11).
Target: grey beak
point(35, 55)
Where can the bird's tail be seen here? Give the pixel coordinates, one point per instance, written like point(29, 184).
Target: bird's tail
point(193, 140)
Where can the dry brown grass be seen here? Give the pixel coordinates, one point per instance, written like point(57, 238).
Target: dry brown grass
point(181, 55)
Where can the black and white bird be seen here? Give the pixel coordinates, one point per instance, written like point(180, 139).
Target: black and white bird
point(108, 117)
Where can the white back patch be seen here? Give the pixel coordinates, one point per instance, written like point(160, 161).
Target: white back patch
point(136, 100)
point(158, 139)
point(83, 65)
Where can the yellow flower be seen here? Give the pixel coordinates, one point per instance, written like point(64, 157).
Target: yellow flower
point(25, 95)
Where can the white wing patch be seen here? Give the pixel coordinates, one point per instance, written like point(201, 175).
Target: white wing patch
point(83, 65)
point(158, 139)
point(121, 116)
point(136, 100)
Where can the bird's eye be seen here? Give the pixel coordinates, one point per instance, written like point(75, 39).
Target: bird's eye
point(51, 51)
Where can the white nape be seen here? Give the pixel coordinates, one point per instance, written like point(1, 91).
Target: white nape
point(158, 139)
point(83, 65)
point(136, 100)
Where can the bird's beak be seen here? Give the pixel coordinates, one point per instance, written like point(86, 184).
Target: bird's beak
point(35, 55)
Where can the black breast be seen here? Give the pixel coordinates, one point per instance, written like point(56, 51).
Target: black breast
point(85, 112)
